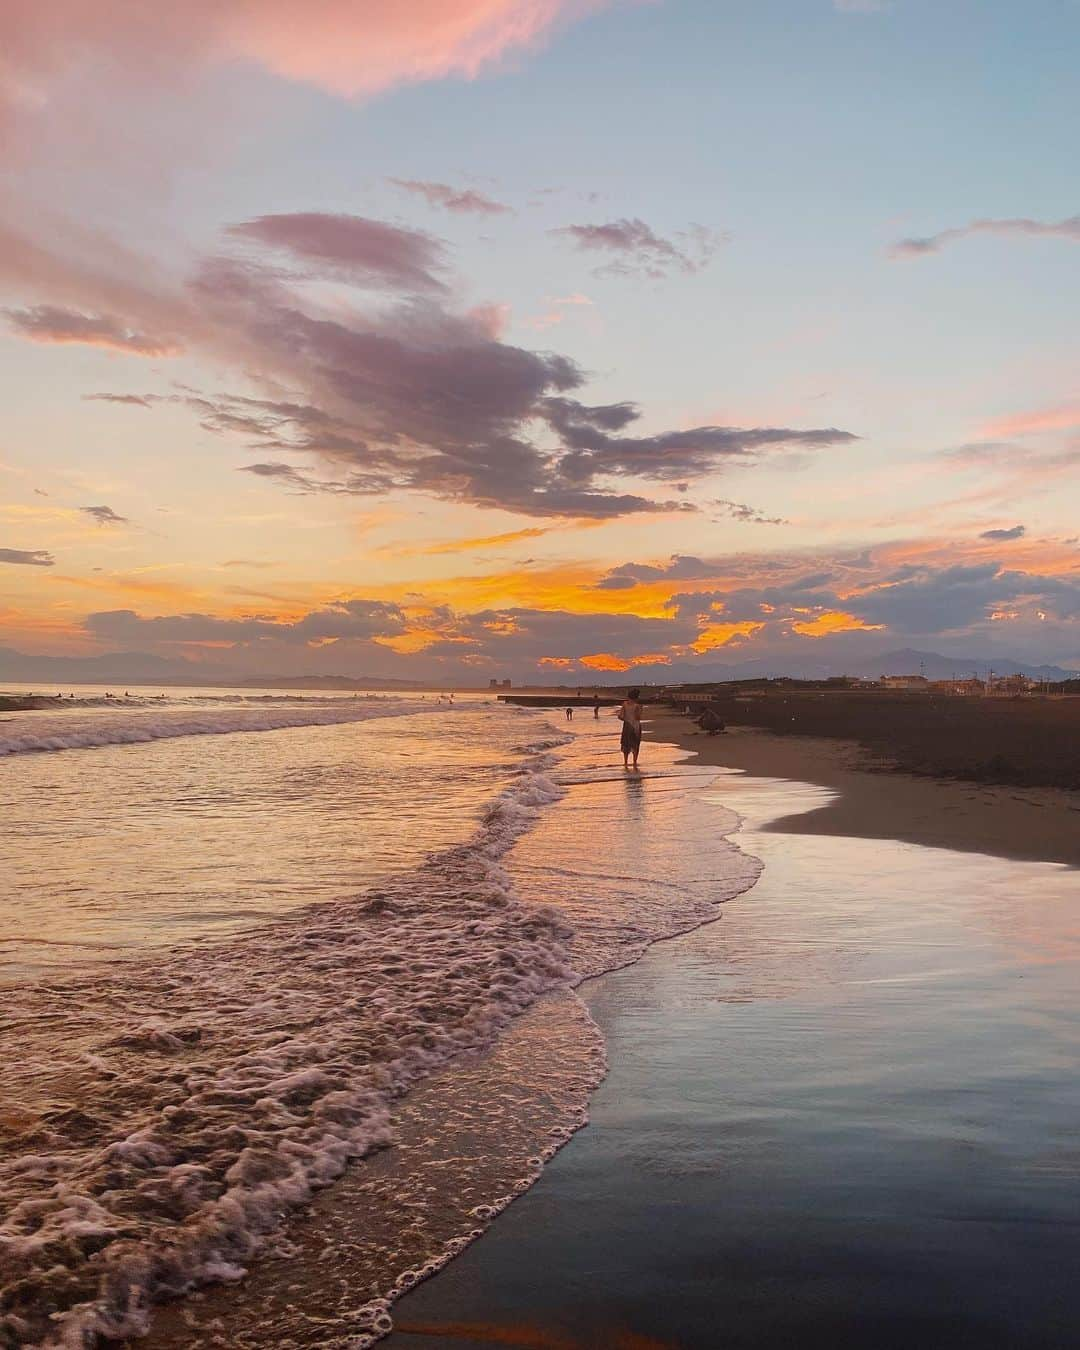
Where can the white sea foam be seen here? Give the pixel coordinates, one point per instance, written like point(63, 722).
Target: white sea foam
point(218, 1092)
point(119, 723)
point(197, 1100)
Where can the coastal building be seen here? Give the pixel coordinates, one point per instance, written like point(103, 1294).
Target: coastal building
point(904, 682)
point(958, 687)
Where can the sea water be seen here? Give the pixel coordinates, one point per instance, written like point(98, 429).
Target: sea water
point(260, 949)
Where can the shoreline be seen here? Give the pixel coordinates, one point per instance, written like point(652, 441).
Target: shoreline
point(694, 1050)
point(1021, 823)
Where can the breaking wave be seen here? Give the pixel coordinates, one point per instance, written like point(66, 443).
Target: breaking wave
point(209, 1096)
point(122, 724)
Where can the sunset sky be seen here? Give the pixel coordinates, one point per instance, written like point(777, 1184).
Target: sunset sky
point(542, 338)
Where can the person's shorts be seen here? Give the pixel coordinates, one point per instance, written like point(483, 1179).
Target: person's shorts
point(631, 740)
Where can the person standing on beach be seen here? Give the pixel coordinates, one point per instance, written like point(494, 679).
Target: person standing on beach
point(569, 714)
point(596, 705)
point(630, 716)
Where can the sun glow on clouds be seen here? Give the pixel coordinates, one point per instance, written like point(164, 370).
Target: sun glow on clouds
point(610, 662)
point(834, 621)
point(714, 635)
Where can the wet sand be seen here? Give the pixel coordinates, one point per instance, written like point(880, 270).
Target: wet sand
point(847, 1114)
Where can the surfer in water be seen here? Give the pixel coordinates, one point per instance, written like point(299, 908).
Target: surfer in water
point(630, 716)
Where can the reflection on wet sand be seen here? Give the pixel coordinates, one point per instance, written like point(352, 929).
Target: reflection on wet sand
point(845, 1115)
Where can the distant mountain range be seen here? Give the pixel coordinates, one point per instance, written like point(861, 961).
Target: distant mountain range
point(121, 668)
point(902, 661)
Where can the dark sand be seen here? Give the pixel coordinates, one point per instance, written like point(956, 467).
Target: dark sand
point(1039, 824)
point(1025, 741)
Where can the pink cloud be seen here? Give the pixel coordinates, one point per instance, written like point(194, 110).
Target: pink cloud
point(349, 47)
point(463, 201)
point(46, 323)
point(1018, 227)
point(1062, 418)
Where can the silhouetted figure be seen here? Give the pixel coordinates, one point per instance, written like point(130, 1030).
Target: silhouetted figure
point(569, 714)
point(596, 705)
point(630, 716)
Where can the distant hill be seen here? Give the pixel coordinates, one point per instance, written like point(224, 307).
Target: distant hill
point(109, 668)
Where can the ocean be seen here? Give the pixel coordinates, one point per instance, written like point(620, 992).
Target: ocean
point(291, 974)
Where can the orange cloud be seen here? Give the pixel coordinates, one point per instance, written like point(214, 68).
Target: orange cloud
point(606, 661)
point(714, 635)
point(833, 621)
point(452, 546)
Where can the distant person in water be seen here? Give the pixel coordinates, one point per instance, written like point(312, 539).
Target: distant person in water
point(569, 714)
point(596, 705)
point(630, 716)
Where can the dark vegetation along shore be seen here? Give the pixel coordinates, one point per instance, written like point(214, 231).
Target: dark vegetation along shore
point(1025, 742)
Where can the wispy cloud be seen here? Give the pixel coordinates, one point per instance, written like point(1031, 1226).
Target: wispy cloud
point(104, 515)
point(1061, 417)
point(1015, 532)
point(637, 250)
point(750, 514)
point(461, 201)
point(1019, 227)
point(49, 323)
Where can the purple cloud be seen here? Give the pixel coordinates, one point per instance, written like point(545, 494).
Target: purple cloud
point(365, 252)
point(637, 250)
point(412, 395)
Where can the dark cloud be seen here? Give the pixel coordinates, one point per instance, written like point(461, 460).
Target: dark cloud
point(104, 515)
point(27, 557)
point(1017, 532)
point(937, 600)
point(459, 200)
point(50, 323)
point(343, 619)
point(1016, 227)
point(365, 252)
point(675, 455)
point(637, 250)
point(405, 394)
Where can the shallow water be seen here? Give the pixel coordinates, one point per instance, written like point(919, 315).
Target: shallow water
point(229, 812)
point(848, 1114)
point(275, 952)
